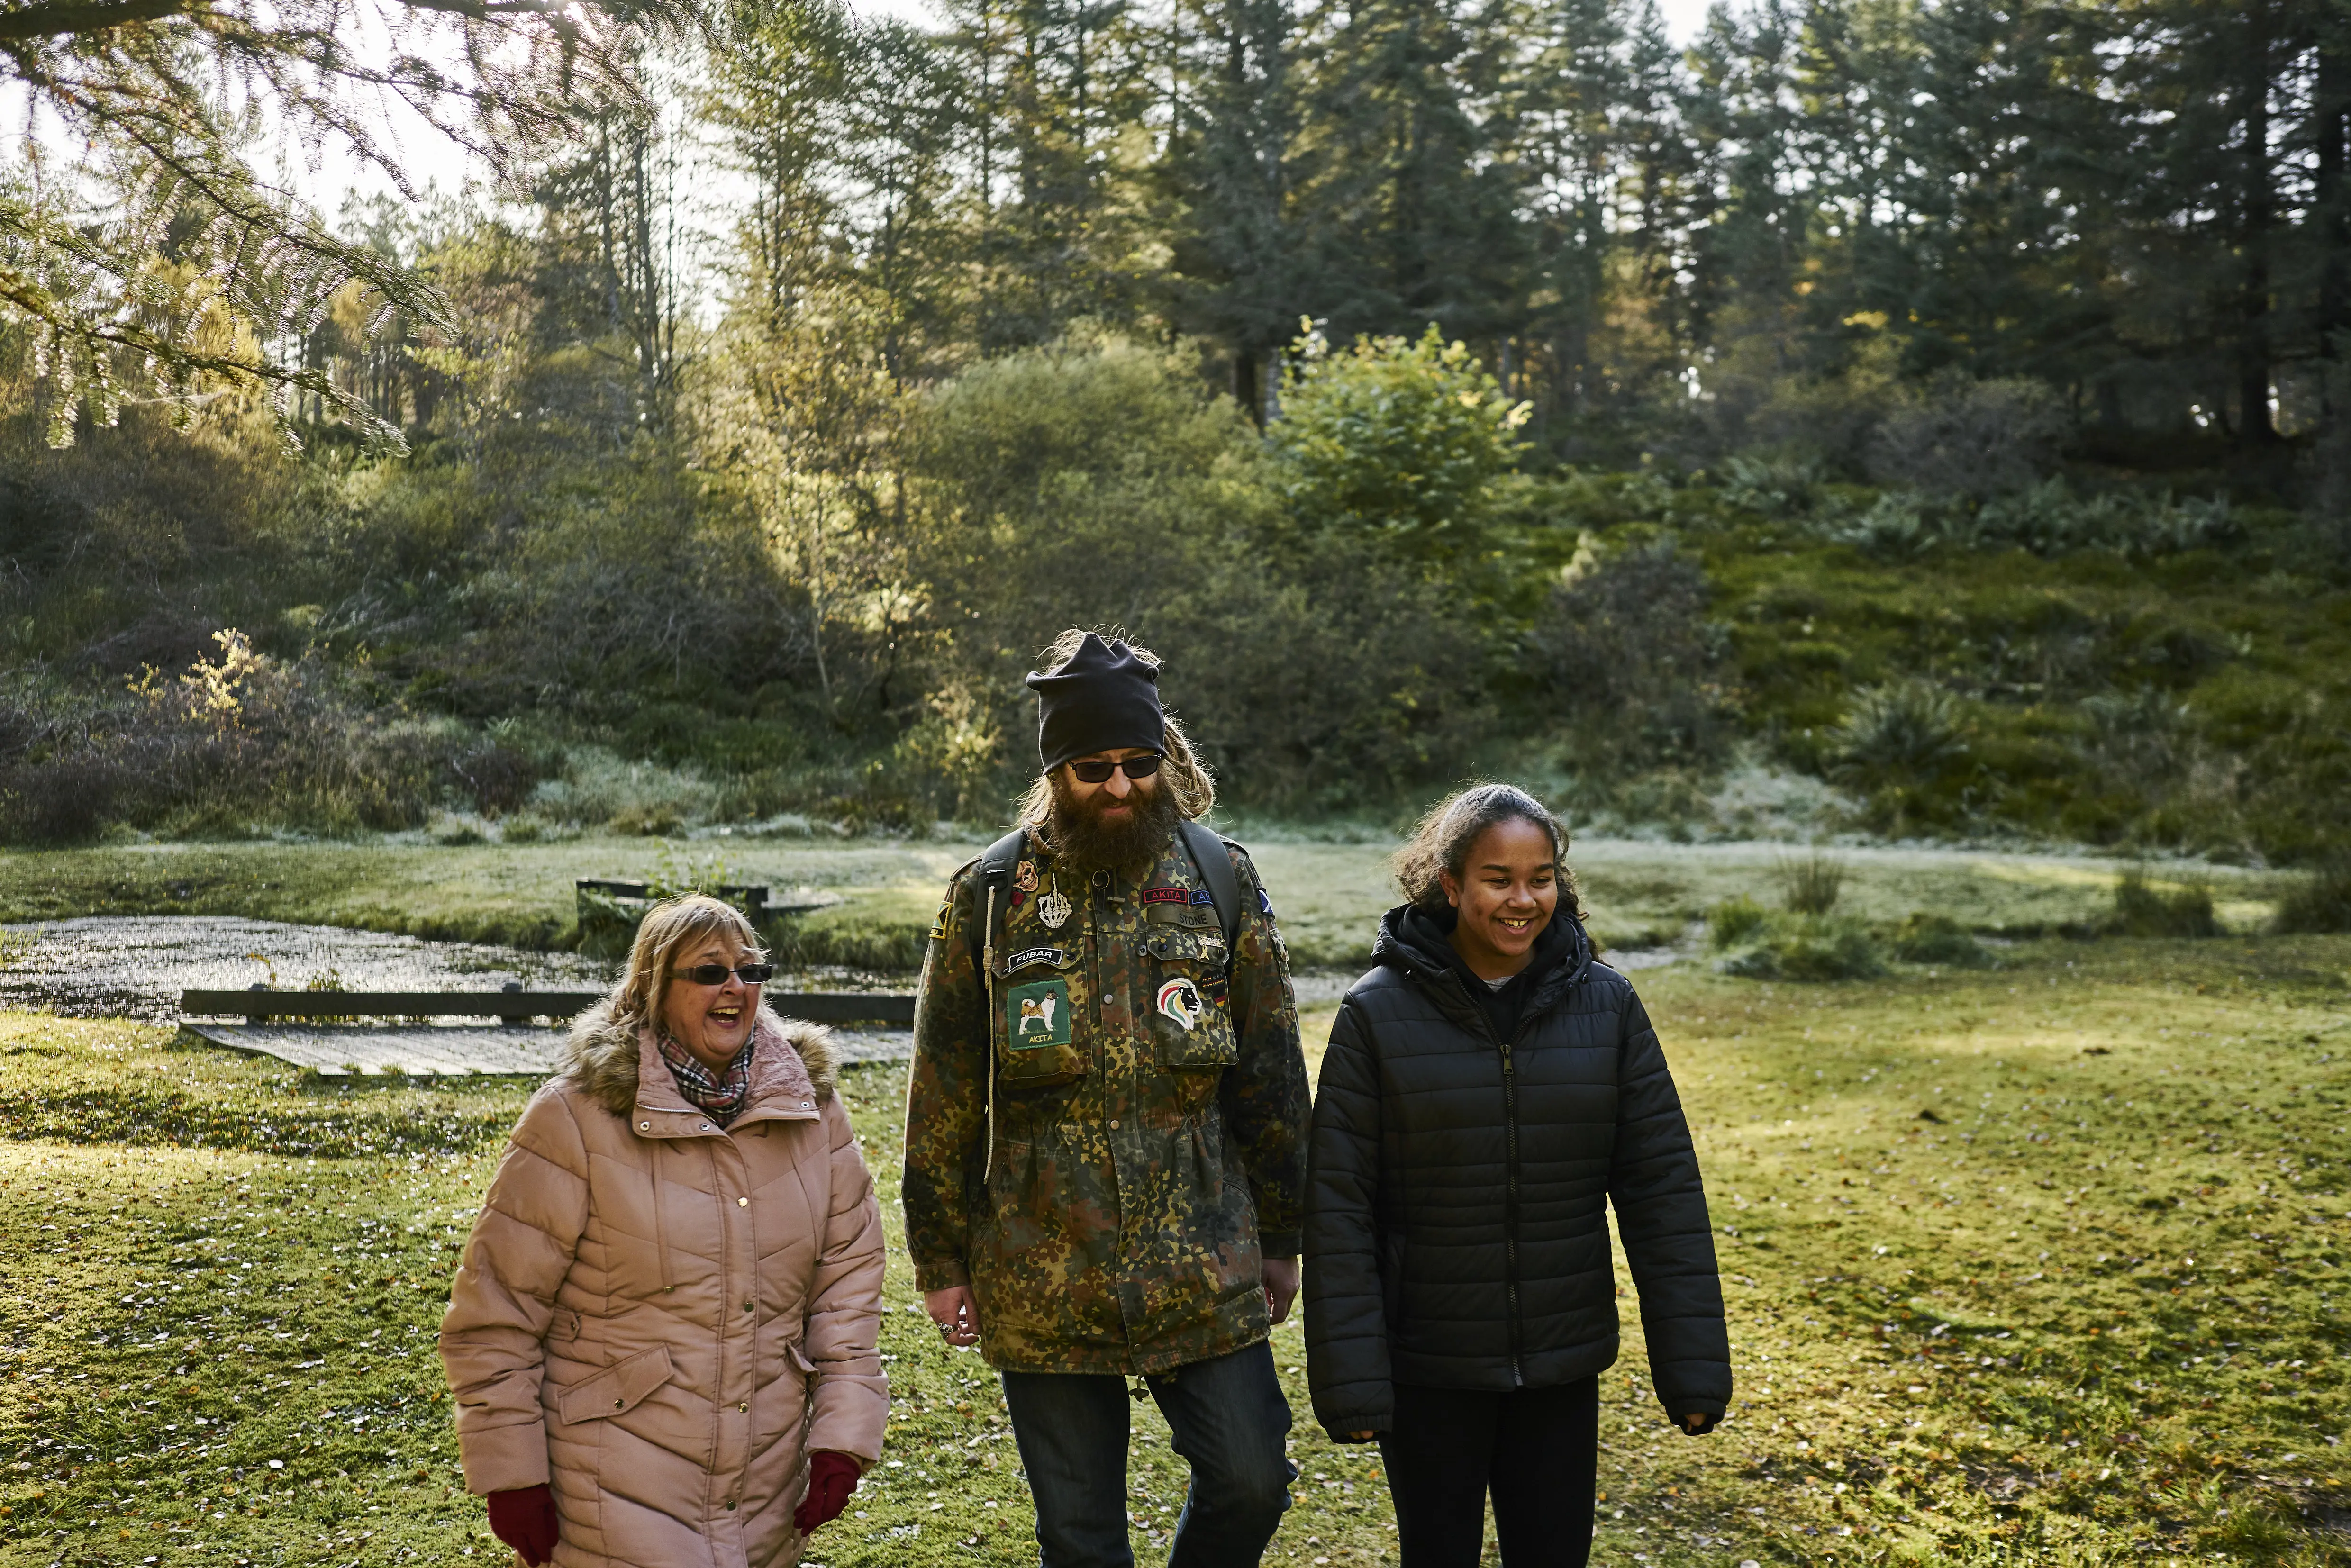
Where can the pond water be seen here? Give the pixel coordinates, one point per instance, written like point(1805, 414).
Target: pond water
point(137, 965)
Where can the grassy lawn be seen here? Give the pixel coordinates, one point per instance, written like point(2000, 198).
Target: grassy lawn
point(2043, 1265)
point(1329, 896)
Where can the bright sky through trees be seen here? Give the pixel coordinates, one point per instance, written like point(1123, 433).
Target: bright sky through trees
point(435, 160)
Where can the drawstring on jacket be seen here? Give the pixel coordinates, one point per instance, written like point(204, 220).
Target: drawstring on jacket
point(660, 1228)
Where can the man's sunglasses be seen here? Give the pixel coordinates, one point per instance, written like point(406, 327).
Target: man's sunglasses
point(1100, 772)
point(716, 974)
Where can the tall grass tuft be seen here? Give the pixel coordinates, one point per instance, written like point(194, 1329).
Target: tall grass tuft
point(2322, 902)
point(1811, 884)
point(2143, 909)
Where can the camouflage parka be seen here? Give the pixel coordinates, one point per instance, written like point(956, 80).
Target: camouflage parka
point(1151, 1109)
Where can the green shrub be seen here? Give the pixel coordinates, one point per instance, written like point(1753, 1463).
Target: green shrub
point(1626, 661)
point(2320, 902)
point(1774, 483)
point(2143, 909)
point(598, 787)
point(1905, 733)
point(1925, 938)
point(1402, 440)
point(1967, 437)
point(1897, 524)
point(238, 743)
point(1734, 920)
point(1812, 950)
point(2047, 519)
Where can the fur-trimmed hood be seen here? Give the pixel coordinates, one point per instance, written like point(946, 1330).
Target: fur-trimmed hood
point(603, 1054)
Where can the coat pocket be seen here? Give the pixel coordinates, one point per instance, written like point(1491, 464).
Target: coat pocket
point(1192, 1017)
point(1037, 1045)
point(618, 1389)
point(1022, 1194)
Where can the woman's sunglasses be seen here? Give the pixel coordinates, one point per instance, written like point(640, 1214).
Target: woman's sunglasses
point(716, 974)
point(1100, 772)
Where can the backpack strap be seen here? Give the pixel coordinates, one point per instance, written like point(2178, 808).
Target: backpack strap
point(1216, 870)
point(995, 864)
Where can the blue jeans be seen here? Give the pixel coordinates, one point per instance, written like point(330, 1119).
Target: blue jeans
point(1229, 1418)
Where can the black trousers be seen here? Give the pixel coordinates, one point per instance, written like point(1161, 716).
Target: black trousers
point(1536, 1450)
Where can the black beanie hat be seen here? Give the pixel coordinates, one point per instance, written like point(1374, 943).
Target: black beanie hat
point(1103, 699)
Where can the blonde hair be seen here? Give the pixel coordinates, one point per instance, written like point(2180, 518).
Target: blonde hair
point(669, 929)
point(1182, 774)
point(1442, 840)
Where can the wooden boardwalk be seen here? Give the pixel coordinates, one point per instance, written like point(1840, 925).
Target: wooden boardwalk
point(456, 1051)
point(392, 1050)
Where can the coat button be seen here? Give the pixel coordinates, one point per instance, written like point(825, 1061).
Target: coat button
point(730, 1505)
point(644, 1126)
point(745, 1407)
point(617, 1402)
point(705, 1126)
point(747, 1306)
point(1114, 1124)
point(742, 1203)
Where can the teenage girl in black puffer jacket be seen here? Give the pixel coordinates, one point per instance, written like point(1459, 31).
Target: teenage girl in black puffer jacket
point(1489, 1091)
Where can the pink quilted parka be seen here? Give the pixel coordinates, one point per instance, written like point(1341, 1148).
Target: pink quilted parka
point(662, 1318)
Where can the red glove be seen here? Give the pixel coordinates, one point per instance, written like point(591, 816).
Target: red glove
point(832, 1477)
point(525, 1520)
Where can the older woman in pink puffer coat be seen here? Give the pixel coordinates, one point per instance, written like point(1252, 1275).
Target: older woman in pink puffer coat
point(662, 1338)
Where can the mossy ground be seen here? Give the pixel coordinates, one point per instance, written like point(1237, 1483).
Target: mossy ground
point(2087, 1309)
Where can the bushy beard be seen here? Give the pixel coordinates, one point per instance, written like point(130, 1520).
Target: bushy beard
point(1080, 838)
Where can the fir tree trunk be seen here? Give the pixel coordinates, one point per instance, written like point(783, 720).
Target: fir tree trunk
point(2331, 141)
point(2255, 427)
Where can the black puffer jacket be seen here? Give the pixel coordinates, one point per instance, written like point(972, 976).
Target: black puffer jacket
point(1456, 1236)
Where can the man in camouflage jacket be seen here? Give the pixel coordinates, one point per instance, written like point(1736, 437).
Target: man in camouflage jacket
point(1105, 1133)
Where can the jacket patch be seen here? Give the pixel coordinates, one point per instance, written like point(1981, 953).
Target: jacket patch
point(1021, 960)
point(1177, 895)
point(1180, 1000)
point(1037, 1015)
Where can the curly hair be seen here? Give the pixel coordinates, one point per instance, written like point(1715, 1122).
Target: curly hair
point(1182, 773)
point(1441, 843)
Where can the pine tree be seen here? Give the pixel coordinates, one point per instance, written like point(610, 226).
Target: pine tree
point(1564, 95)
point(1411, 220)
point(1058, 90)
point(1229, 178)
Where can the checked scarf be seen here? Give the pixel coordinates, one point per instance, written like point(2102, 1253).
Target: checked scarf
point(718, 1095)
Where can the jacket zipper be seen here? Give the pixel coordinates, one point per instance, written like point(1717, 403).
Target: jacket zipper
point(1510, 1183)
point(1510, 1207)
point(1511, 1173)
